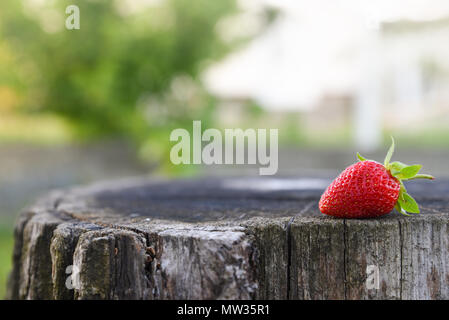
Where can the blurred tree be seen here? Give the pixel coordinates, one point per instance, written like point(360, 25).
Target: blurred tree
point(112, 76)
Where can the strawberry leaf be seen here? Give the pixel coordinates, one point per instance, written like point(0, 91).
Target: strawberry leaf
point(389, 154)
point(422, 176)
point(402, 190)
point(396, 167)
point(408, 172)
point(408, 204)
point(397, 206)
point(360, 157)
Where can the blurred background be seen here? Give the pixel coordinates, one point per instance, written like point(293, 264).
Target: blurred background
point(335, 77)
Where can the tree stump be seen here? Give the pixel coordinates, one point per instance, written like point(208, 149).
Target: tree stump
point(236, 238)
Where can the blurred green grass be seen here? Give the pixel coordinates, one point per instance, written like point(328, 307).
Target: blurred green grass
point(432, 137)
point(41, 129)
point(6, 248)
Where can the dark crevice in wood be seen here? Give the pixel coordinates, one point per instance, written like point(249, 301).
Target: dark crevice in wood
point(289, 246)
point(117, 267)
point(27, 292)
point(344, 259)
point(289, 254)
point(401, 258)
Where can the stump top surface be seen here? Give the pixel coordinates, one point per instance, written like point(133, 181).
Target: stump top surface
point(230, 199)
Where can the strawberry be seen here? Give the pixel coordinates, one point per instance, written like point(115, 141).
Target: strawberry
point(368, 189)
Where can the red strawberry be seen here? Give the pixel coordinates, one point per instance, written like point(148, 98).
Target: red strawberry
point(369, 189)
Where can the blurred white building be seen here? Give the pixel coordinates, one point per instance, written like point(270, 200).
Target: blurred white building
point(386, 62)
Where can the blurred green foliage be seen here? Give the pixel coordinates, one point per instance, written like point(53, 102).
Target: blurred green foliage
point(6, 246)
point(126, 72)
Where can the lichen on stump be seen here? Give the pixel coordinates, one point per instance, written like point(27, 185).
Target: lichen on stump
point(224, 239)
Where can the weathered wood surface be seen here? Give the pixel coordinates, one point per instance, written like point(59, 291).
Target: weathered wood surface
point(225, 239)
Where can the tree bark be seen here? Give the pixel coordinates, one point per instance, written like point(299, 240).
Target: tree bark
point(225, 239)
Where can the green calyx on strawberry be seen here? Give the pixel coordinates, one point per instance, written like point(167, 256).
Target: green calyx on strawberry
point(402, 172)
point(369, 189)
